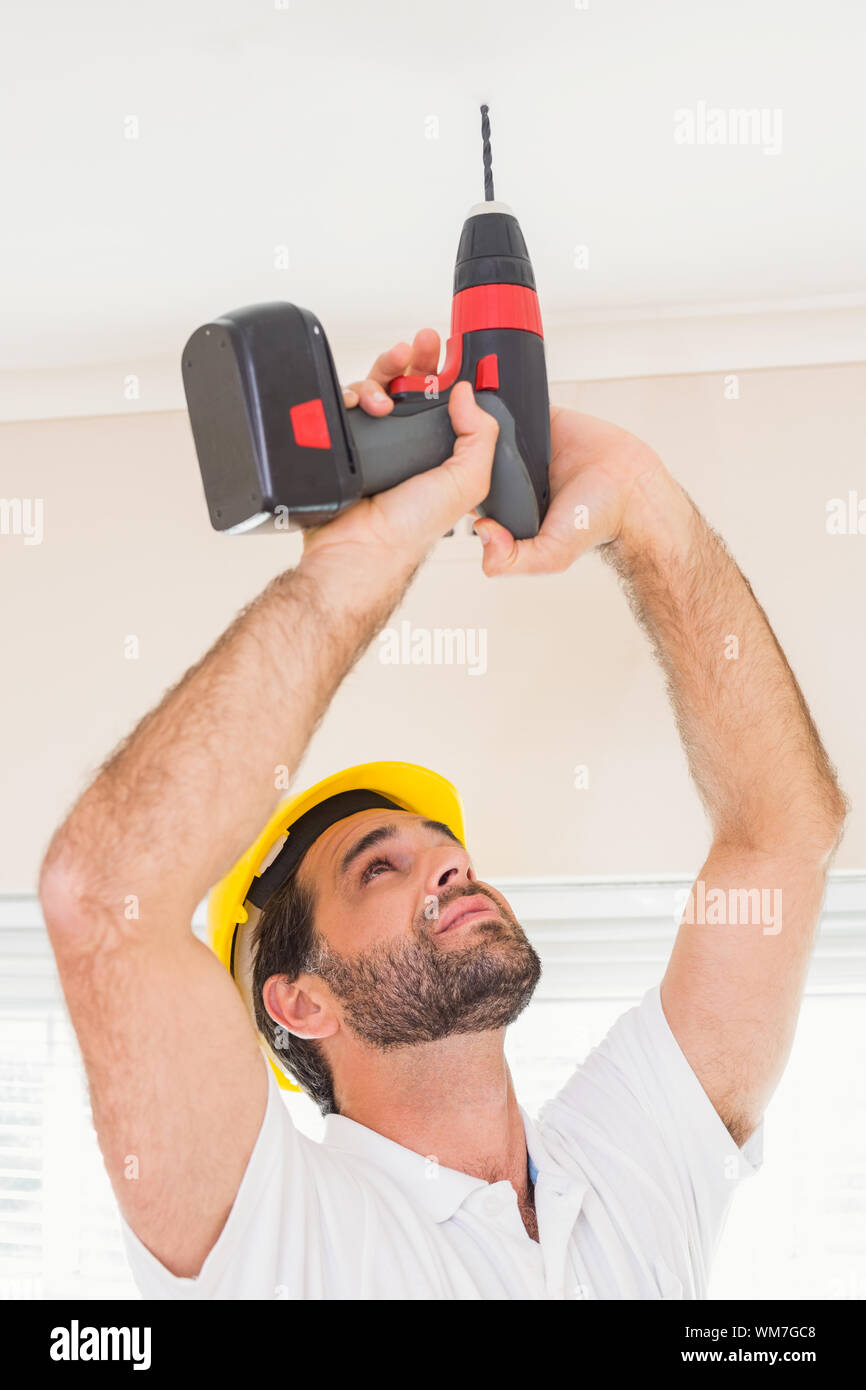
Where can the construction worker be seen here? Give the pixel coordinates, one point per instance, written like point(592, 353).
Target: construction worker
point(381, 971)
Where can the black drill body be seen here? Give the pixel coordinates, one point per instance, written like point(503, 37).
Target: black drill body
point(272, 434)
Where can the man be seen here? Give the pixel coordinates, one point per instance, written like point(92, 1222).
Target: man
point(431, 1182)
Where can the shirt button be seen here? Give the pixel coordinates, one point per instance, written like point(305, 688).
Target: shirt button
point(492, 1204)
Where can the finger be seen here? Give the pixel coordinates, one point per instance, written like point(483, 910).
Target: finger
point(433, 501)
point(390, 364)
point(504, 555)
point(424, 358)
point(371, 392)
point(468, 418)
point(500, 547)
point(546, 553)
point(471, 463)
point(370, 396)
point(421, 359)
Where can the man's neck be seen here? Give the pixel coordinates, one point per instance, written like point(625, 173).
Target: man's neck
point(453, 1100)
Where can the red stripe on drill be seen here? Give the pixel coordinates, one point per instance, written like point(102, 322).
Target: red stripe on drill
point(487, 373)
point(309, 425)
point(496, 306)
point(481, 306)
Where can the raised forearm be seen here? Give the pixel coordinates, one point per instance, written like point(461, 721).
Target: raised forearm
point(753, 750)
point(191, 787)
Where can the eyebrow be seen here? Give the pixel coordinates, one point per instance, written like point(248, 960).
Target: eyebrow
point(387, 832)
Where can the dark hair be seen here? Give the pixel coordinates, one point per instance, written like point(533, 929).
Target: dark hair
point(284, 943)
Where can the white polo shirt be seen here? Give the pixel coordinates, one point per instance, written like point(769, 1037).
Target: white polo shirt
point(635, 1172)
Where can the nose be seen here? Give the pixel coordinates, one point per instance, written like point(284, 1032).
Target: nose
point(449, 866)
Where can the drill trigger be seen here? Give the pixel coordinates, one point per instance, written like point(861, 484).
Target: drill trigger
point(443, 381)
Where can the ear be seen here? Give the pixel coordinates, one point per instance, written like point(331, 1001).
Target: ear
point(300, 1005)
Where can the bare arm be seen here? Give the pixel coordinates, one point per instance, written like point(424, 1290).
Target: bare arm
point(177, 1080)
point(734, 983)
point(732, 989)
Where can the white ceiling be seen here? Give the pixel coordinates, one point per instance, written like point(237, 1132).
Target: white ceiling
point(307, 127)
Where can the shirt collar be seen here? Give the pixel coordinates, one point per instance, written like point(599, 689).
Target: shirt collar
point(556, 1177)
point(438, 1190)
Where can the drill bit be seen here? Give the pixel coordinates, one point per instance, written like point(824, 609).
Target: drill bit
point(488, 158)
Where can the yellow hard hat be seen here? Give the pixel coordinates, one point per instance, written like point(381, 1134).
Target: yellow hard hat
point(236, 901)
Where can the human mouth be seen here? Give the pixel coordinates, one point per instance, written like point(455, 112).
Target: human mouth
point(465, 911)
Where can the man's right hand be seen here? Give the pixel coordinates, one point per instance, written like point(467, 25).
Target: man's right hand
point(407, 521)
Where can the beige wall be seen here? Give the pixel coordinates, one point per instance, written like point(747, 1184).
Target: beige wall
point(127, 550)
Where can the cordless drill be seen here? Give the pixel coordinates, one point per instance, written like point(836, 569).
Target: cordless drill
point(273, 436)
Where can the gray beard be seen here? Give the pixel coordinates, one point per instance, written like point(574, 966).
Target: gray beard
point(401, 993)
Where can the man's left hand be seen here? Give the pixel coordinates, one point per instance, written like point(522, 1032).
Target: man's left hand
point(598, 477)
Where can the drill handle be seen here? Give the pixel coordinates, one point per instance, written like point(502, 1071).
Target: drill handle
point(394, 447)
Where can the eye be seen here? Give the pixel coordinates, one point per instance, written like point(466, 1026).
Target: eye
point(370, 871)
